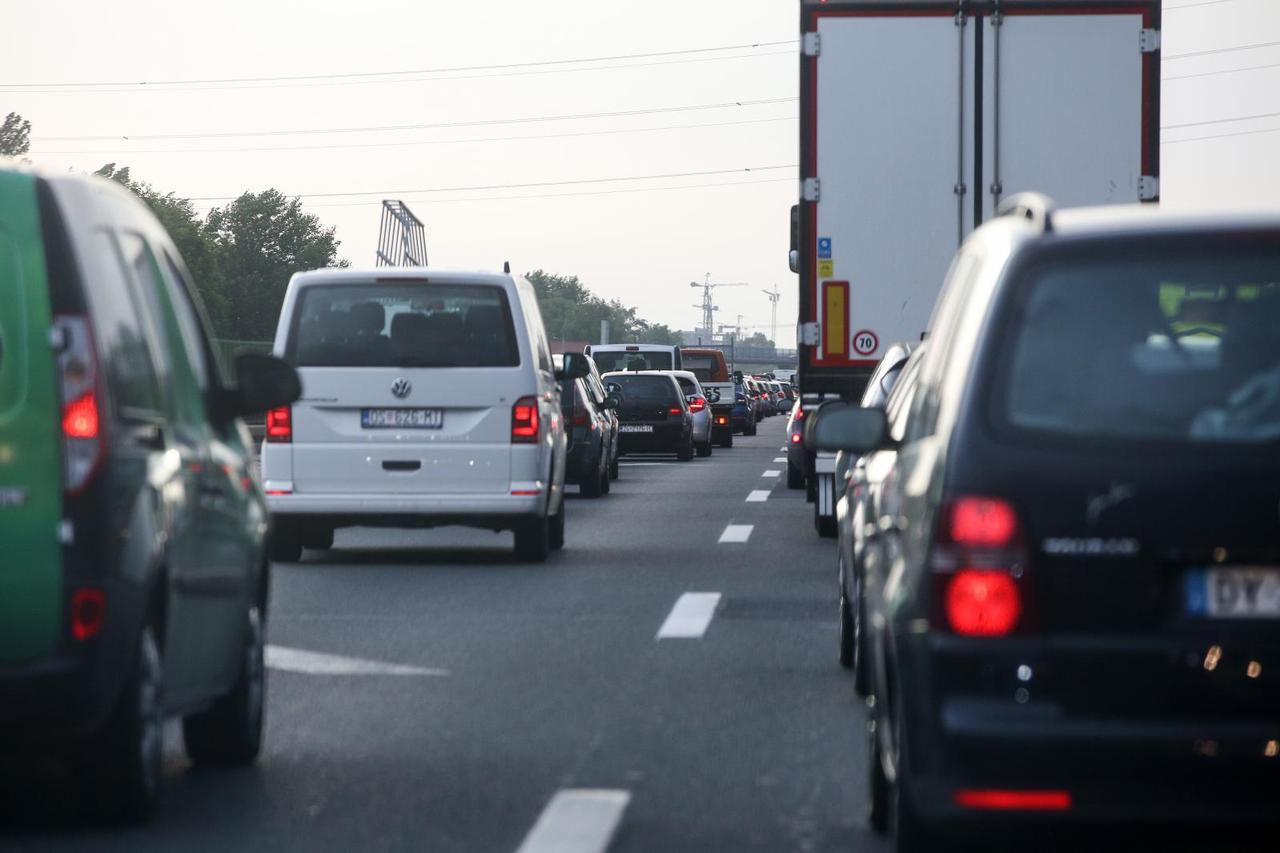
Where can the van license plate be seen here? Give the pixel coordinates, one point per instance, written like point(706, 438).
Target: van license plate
point(1239, 592)
point(402, 418)
point(635, 427)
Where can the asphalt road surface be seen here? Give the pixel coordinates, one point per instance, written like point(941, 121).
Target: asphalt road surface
point(651, 688)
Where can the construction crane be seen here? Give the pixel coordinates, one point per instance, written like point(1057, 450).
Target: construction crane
point(774, 295)
point(708, 306)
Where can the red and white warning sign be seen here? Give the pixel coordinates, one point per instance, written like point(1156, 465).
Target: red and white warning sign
point(865, 342)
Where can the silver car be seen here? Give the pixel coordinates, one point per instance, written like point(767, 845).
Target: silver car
point(699, 405)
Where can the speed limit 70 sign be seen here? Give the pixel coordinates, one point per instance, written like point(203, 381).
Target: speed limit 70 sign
point(865, 342)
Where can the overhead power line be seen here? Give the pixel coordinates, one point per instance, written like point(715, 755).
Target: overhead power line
point(400, 192)
point(1221, 71)
point(435, 126)
point(1217, 121)
point(1168, 8)
point(412, 143)
point(1217, 50)
point(352, 75)
point(1221, 135)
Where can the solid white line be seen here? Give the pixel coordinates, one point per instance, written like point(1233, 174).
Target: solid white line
point(580, 820)
point(316, 663)
point(771, 474)
point(639, 464)
point(779, 459)
point(758, 496)
point(690, 616)
point(736, 533)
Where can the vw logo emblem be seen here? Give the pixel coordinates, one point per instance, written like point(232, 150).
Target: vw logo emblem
point(401, 388)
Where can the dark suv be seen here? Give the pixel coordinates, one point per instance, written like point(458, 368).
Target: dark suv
point(1075, 614)
point(135, 575)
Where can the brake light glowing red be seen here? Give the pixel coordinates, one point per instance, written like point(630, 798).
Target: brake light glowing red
point(524, 421)
point(280, 424)
point(697, 404)
point(88, 612)
point(996, 800)
point(796, 438)
point(983, 602)
point(983, 523)
point(80, 418)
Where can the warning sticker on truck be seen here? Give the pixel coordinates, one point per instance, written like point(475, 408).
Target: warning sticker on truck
point(826, 268)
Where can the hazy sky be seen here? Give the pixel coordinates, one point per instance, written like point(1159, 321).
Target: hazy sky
point(642, 247)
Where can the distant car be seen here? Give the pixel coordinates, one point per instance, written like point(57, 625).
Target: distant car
point(744, 410)
point(797, 457)
point(720, 397)
point(1075, 598)
point(588, 440)
point(611, 357)
point(599, 393)
point(135, 577)
point(653, 414)
point(708, 365)
point(700, 408)
point(429, 401)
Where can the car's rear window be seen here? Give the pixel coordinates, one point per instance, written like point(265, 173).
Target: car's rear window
point(610, 360)
point(403, 325)
point(644, 389)
point(1180, 344)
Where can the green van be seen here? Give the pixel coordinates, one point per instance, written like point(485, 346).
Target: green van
point(133, 575)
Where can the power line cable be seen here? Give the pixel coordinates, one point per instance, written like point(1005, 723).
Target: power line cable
point(1168, 8)
point(357, 74)
point(1221, 71)
point(436, 126)
point(1217, 121)
point(411, 143)
point(1221, 135)
point(1216, 50)
point(399, 192)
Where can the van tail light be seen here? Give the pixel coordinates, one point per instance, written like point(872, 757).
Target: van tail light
point(979, 561)
point(82, 439)
point(88, 612)
point(280, 425)
point(697, 404)
point(524, 421)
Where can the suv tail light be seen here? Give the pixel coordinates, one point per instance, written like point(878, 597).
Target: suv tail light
point(979, 558)
point(82, 443)
point(524, 421)
point(697, 404)
point(280, 424)
point(88, 612)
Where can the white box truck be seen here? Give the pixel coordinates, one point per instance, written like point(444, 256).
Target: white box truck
point(916, 118)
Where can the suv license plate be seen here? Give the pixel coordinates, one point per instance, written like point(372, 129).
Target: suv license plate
point(635, 428)
point(1239, 592)
point(402, 418)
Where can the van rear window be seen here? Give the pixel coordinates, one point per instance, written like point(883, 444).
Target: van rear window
point(1180, 345)
point(644, 389)
point(403, 325)
point(611, 360)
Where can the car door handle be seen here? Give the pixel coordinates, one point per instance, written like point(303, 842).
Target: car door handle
point(401, 465)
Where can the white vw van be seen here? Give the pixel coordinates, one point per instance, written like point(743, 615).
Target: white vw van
point(428, 398)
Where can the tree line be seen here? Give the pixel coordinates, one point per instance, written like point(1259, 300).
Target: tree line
point(242, 256)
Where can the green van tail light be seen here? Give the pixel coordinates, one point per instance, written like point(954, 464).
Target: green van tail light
point(82, 445)
point(88, 612)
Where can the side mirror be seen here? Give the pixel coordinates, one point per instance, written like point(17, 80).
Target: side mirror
point(612, 402)
point(844, 425)
point(793, 257)
point(575, 367)
point(264, 382)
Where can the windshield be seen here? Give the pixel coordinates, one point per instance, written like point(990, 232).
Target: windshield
point(1182, 349)
point(413, 325)
point(609, 360)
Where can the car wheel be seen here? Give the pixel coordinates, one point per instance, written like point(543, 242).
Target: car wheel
point(533, 539)
point(685, 453)
point(605, 481)
point(286, 541)
point(704, 450)
point(795, 477)
point(861, 661)
point(230, 733)
point(555, 529)
point(749, 429)
point(614, 471)
point(122, 763)
point(847, 631)
point(590, 486)
point(878, 787)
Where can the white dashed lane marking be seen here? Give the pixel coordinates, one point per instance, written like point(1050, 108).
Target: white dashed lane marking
point(772, 474)
point(318, 663)
point(758, 496)
point(736, 533)
point(690, 616)
point(577, 820)
point(779, 459)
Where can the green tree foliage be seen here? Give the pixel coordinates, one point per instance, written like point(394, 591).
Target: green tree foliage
point(758, 340)
point(15, 135)
point(573, 313)
point(259, 241)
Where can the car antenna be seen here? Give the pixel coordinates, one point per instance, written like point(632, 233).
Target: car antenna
point(506, 267)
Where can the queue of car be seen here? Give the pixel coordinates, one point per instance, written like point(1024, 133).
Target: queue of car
point(1057, 525)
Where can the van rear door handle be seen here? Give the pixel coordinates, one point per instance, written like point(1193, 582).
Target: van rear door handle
point(401, 465)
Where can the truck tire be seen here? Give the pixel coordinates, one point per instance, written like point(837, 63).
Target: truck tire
point(230, 733)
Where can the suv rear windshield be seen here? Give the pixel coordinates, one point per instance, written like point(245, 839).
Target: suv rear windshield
point(645, 389)
point(1171, 343)
point(403, 325)
point(621, 360)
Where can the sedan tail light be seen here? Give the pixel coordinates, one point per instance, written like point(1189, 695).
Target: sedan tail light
point(697, 404)
point(980, 559)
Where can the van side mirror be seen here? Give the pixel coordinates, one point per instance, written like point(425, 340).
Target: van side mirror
point(612, 402)
point(263, 382)
point(844, 425)
point(793, 257)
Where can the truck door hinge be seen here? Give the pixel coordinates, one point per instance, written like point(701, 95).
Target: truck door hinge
point(1149, 40)
point(811, 190)
point(809, 334)
point(1148, 188)
point(811, 44)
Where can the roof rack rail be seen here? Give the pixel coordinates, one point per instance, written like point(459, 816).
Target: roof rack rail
point(1036, 208)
